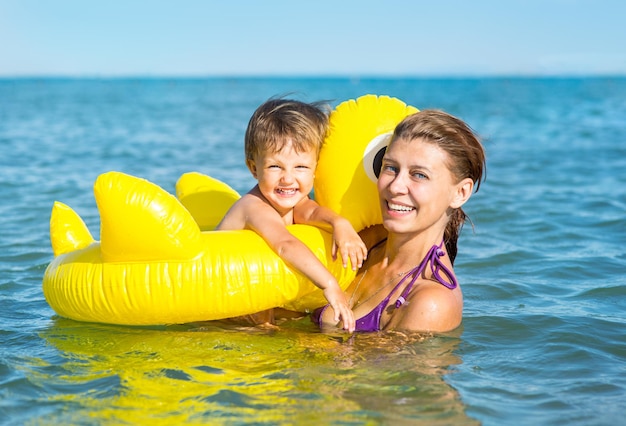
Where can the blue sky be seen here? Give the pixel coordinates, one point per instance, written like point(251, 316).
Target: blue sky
point(321, 37)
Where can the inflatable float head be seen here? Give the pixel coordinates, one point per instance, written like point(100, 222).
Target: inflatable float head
point(350, 159)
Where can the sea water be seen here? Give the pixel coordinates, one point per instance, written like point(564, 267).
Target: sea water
point(542, 268)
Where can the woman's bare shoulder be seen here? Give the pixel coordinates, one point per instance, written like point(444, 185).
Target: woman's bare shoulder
point(432, 308)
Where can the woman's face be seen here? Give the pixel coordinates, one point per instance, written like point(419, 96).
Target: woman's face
point(415, 187)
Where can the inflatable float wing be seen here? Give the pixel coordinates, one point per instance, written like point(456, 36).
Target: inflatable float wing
point(206, 198)
point(158, 262)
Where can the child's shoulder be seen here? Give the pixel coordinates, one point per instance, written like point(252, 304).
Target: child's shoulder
point(238, 216)
point(247, 201)
point(253, 202)
point(253, 198)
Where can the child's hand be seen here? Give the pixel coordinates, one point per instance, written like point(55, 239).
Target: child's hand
point(349, 244)
point(337, 300)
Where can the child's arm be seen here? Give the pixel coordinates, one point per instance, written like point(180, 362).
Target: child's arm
point(265, 221)
point(345, 238)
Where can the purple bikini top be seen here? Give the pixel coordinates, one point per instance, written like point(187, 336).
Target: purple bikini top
point(371, 321)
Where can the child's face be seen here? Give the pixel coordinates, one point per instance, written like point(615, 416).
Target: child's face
point(285, 177)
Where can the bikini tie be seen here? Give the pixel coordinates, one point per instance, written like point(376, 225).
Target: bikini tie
point(436, 266)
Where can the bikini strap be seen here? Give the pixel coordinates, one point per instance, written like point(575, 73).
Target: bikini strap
point(436, 266)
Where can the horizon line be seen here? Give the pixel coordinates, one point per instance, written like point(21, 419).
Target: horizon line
point(365, 76)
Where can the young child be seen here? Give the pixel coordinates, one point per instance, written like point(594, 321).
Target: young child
point(282, 145)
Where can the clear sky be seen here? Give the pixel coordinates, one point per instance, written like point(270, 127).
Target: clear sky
point(311, 37)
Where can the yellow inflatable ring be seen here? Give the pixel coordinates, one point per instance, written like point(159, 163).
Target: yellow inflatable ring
point(158, 262)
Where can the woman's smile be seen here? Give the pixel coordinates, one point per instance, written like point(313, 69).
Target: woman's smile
point(399, 208)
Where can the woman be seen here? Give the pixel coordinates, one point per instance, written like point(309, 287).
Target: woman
point(432, 166)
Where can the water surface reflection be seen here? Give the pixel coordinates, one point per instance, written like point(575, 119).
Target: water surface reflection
point(224, 374)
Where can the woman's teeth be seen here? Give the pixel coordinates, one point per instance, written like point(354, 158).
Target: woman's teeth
point(400, 207)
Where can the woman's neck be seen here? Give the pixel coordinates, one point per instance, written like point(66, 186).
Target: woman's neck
point(403, 251)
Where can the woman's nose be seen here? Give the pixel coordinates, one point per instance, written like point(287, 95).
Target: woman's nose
point(398, 185)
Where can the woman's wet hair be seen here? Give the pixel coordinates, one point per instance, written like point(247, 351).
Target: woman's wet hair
point(466, 156)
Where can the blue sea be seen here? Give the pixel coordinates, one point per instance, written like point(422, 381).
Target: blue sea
point(543, 269)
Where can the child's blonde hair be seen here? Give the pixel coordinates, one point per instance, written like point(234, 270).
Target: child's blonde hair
point(279, 120)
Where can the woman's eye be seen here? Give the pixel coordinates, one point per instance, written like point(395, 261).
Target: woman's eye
point(389, 169)
point(419, 175)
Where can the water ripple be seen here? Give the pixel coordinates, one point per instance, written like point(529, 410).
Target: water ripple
point(542, 269)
